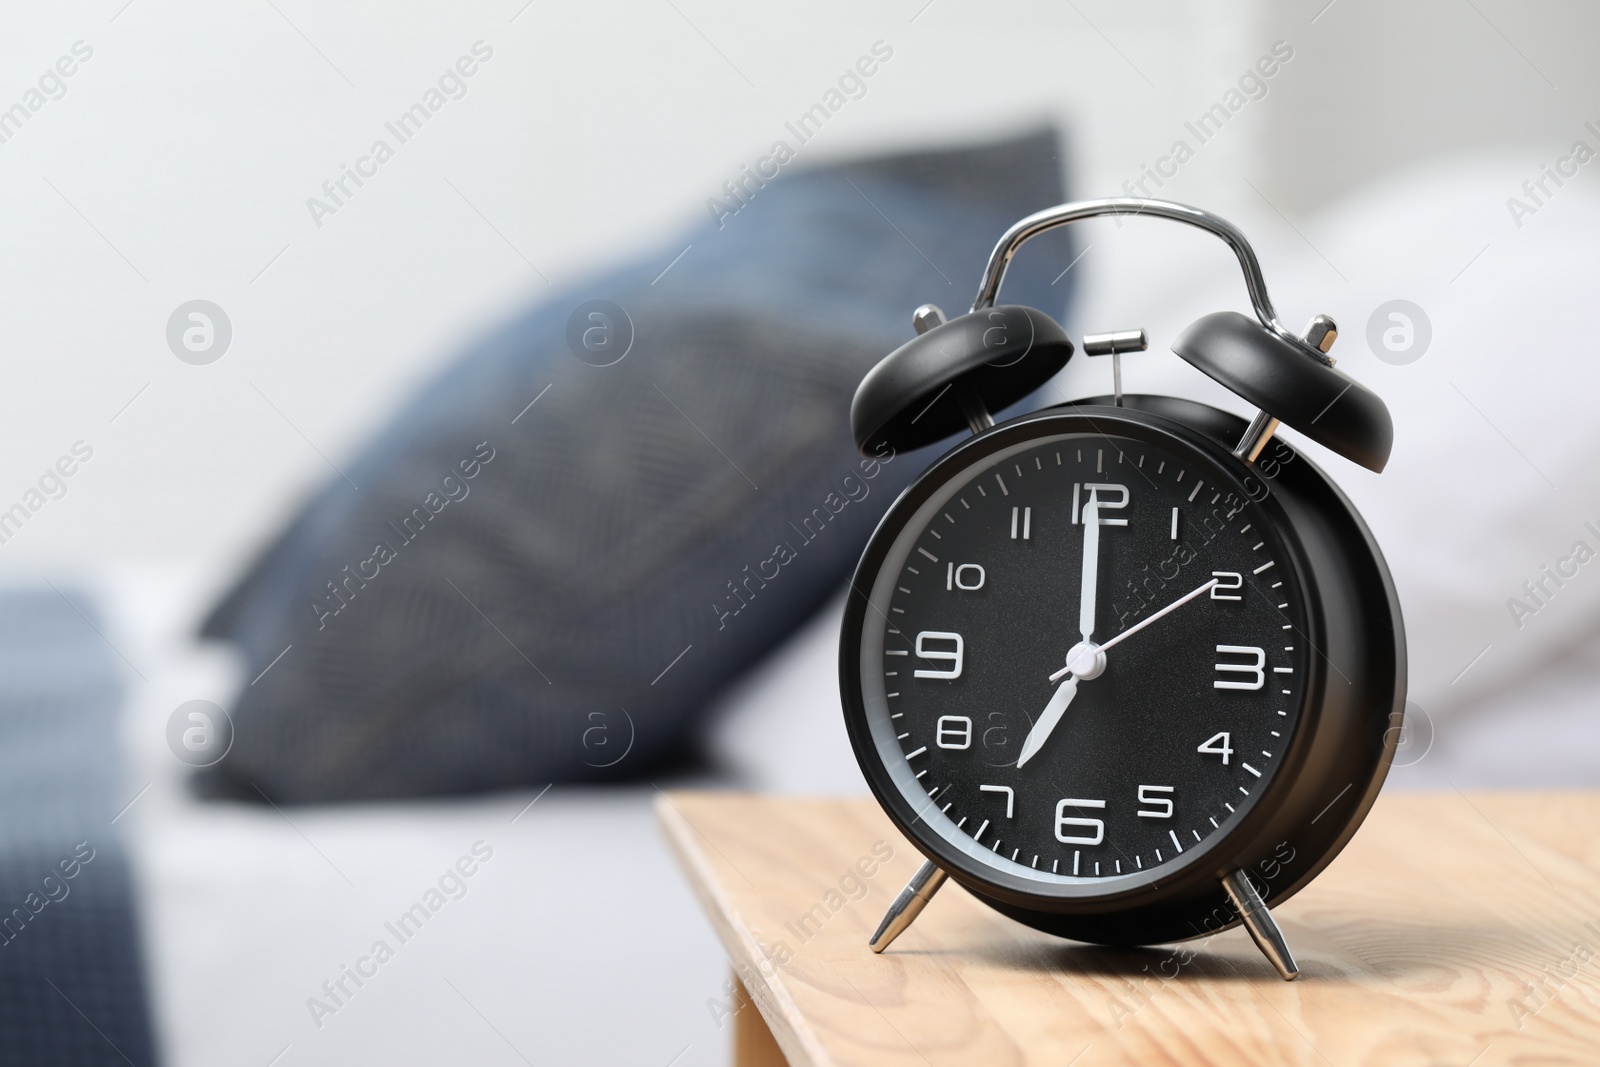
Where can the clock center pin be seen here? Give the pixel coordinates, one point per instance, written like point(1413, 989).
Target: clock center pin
point(1086, 661)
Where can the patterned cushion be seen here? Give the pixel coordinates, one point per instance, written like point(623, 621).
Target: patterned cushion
point(521, 594)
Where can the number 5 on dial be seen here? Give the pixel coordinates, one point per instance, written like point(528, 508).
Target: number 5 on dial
point(1159, 806)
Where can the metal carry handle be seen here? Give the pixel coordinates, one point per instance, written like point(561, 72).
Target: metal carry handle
point(1061, 215)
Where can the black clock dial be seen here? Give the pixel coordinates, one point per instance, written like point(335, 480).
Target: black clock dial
point(1018, 568)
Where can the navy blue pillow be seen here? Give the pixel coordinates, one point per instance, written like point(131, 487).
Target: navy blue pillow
point(550, 566)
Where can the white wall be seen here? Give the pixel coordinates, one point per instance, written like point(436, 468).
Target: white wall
point(180, 159)
point(1385, 86)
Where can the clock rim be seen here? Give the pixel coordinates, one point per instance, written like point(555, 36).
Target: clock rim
point(1179, 424)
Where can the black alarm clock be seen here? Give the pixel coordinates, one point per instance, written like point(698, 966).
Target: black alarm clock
point(1128, 667)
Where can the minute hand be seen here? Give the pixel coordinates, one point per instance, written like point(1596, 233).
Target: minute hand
point(1136, 627)
point(1089, 581)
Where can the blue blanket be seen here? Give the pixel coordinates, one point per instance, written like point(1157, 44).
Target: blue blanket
point(71, 983)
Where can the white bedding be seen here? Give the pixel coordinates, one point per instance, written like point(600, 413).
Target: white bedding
point(577, 941)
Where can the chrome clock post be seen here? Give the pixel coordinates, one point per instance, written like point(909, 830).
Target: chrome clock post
point(908, 905)
point(978, 418)
point(1264, 929)
point(1113, 345)
point(1320, 335)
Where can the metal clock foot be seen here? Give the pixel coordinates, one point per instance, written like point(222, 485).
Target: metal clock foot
point(908, 905)
point(1259, 921)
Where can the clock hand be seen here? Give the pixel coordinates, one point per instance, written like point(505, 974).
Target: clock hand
point(1087, 587)
point(1048, 719)
point(1136, 627)
point(1089, 583)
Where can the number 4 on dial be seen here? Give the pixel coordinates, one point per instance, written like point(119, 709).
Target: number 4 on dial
point(1218, 746)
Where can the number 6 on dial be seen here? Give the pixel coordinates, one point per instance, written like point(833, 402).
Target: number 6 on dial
point(1063, 820)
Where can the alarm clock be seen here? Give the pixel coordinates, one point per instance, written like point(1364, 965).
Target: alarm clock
point(1129, 667)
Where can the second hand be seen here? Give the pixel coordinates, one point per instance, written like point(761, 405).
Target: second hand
point(1130, 631)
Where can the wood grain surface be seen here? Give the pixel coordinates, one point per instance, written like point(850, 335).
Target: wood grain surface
point(1455, 929)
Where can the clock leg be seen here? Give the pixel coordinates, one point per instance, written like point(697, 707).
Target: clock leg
point(908, 905)
point(1259, 921)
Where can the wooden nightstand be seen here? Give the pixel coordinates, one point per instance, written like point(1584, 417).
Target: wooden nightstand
point(1455, 929)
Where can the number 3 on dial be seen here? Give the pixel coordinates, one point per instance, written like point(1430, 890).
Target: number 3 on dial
point(1256, 675)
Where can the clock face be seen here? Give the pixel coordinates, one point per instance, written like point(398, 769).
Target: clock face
point(1084, 658)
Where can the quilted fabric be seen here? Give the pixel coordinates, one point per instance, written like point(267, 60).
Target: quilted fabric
point(71, 980)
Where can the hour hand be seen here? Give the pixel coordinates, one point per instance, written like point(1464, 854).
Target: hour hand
point(1047, 721)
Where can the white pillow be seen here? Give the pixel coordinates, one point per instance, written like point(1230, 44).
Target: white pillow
point(1496, 463)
